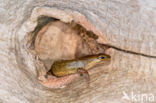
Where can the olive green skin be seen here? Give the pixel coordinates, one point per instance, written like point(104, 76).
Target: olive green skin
point(67, 67)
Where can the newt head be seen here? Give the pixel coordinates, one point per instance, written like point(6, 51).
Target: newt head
point(98, 59)
point(103, 57)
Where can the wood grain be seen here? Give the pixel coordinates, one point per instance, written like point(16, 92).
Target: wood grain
point(128, 25)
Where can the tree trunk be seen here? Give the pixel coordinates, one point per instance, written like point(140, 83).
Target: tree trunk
point(127, 27)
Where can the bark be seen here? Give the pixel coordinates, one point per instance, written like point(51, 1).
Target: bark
point(126, 26)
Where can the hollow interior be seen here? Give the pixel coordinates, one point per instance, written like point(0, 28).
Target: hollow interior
point(54, 40)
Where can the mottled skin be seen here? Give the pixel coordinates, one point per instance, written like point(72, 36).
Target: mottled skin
point(80, 65)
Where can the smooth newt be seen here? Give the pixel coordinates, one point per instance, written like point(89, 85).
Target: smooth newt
point(80, 65)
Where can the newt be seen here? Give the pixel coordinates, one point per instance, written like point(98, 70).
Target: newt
point(80, 65)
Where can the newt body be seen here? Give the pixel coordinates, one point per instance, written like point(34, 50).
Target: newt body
point(81, 65)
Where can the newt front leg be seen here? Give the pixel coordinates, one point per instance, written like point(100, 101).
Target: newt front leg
point(84, 73)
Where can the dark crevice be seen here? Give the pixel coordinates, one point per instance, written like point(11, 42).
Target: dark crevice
point(127, 51)
point(42, 21)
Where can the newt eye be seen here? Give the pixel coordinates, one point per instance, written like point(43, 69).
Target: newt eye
point(101, 57)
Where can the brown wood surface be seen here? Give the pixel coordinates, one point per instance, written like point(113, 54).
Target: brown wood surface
point(125, 25)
